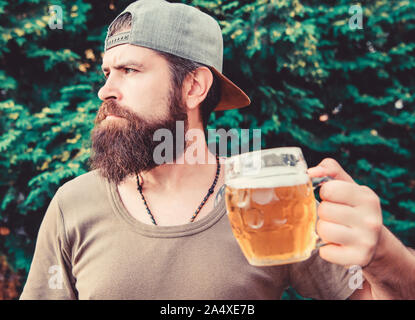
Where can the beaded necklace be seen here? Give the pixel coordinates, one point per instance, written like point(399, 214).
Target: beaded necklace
point(210, 191)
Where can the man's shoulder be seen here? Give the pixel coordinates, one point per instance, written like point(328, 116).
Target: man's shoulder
point(85, 180)
point(87, 186)
point(82, 199)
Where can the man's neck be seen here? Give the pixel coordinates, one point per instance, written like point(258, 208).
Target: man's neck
point(179, 174)
point(174, 192)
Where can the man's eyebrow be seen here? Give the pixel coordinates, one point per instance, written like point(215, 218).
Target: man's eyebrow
point(123, 65)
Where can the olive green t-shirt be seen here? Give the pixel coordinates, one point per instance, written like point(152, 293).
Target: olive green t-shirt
point(90, 247)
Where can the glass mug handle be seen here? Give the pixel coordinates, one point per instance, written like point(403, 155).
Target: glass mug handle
point(318, 182)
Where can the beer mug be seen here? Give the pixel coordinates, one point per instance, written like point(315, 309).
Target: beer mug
point(271, 205)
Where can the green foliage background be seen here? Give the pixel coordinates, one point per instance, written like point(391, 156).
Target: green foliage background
point(313, 81)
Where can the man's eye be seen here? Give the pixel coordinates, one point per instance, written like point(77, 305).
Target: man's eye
point(129, 70)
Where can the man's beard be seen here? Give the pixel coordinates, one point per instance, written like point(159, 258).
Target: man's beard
point(121, 147)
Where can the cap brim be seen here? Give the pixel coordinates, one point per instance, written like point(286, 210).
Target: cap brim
point(232, 97)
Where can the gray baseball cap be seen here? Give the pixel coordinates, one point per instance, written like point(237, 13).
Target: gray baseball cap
point(183, 31)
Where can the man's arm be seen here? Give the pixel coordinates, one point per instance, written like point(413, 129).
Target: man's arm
point(50, 275)
point(391, 274)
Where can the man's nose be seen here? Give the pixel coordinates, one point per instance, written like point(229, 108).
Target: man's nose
point(109, 90)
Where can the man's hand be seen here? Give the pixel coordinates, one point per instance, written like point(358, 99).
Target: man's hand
point(350, 217)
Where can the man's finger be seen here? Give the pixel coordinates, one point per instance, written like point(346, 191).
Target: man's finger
point(334, 233)
point(342, 192)
point(338, 213)
point(344, 255)
point(330, 167)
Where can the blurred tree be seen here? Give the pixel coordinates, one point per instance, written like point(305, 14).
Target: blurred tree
point(49, 80)
point(9, 281)
point(315, 81)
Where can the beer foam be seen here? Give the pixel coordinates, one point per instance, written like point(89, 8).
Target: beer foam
point(269, 181)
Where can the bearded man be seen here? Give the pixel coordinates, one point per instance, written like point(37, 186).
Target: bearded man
point(134, 228)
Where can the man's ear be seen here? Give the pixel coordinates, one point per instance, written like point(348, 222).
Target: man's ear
point(196, 87)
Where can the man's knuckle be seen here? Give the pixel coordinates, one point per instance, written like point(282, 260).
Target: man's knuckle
point(376, 226)
point(364, 260)
point(373, 224)
point(362, 254)
point(365, 189)
point(368, 245)
point(329, 162)
point(374, 201)
point(370, 195)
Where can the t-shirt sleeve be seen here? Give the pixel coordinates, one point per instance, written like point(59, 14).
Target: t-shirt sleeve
point(319, 279)
point(50, 276)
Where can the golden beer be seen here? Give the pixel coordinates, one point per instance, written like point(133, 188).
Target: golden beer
point(273, 217)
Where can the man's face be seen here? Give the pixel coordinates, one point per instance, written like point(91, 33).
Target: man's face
point(139, 95)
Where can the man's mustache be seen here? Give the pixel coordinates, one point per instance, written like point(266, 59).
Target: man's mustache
point(111, 107)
